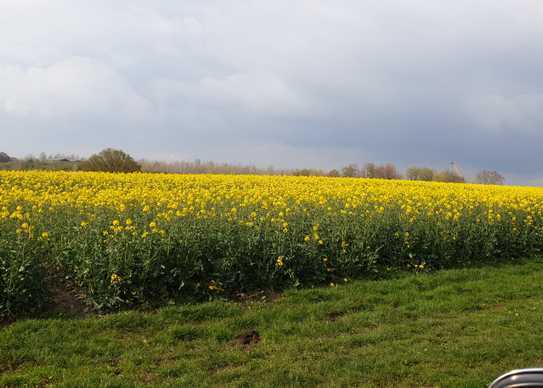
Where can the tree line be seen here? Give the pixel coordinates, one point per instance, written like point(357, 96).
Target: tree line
point(389, 171)
point(113, 160)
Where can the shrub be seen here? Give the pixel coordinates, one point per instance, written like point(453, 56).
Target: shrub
point(449, 176)
point(110, 160)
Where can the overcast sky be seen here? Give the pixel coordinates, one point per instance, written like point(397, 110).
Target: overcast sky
point(293, 83)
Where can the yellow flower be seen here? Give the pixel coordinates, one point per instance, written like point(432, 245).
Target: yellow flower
point(115, 279)
point(280, 261)
point(45, 235)
point(214, 286)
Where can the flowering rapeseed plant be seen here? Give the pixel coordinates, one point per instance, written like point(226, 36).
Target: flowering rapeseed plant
point(177, 235)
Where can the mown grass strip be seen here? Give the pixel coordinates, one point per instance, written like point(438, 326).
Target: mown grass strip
point(451, 328)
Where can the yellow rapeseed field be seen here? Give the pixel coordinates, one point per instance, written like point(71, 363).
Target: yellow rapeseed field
point(135, 238)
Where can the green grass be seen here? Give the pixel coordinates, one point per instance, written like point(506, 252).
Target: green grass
point(452, 328)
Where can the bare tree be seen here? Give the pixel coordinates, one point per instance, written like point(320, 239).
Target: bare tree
point(487, 177)
point(334, 173)
point(389, 171)
point(350, 171)
point(420, 174)
point(385, 171)
point(369, 171)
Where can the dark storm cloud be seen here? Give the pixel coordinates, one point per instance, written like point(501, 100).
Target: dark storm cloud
point(290, 83)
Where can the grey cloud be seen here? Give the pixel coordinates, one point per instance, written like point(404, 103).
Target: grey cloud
point(290, 83)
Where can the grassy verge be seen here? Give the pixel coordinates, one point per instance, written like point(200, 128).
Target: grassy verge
point(451, 328)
